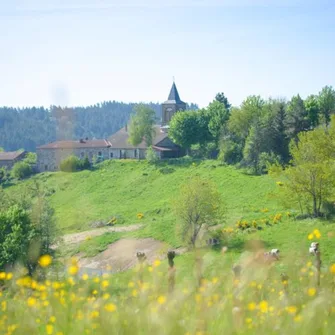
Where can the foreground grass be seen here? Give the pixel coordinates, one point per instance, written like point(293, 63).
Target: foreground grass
point(139, 302)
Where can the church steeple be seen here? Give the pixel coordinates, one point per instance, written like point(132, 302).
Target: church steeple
point(172, 105)
point(174, 95)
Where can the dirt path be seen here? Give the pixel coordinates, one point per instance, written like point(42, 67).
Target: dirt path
point(78, 237)
point(121, 255)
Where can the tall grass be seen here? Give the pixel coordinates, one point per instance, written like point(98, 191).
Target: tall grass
point(260, 300)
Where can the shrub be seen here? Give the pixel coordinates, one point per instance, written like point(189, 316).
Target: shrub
point(230, 152)
point(266, 161)
point(4, 175)
point(85, 164)
point(71, 164)
point(151, 156)
point(30, 158)
point(21, 170)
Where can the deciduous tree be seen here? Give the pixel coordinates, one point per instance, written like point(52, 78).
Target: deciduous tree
point(326, 101)
point(197, 206)
point(312, 174)
point(141, 125)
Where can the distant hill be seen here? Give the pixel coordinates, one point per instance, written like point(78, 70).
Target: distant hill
point(28, 128)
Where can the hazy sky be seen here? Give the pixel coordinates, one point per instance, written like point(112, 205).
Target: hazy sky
point(80, 52)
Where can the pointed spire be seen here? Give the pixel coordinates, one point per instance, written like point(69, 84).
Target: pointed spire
point(174, 95)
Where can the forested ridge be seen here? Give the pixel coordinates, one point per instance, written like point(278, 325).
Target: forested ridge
point(30, 127)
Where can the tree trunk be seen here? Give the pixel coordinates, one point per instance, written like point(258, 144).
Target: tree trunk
point(315, 207)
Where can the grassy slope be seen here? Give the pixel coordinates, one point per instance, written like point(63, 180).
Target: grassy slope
point(125, 188)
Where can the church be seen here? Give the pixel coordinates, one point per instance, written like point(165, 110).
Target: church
point(117, 146)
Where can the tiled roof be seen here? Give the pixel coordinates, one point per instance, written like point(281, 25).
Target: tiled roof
point(76, 144)
point(119, 140)
point(10, 155)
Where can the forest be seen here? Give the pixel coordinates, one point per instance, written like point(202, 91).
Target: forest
point(27, 128)
point(255, 134)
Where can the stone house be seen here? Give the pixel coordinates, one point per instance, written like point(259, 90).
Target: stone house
point(117, 146)
point(8, 159)
point(49, 156)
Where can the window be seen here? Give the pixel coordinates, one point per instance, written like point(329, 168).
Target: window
point(45, 167)
point(99, 153)
point(111, 155)
point(82, 155)
point(135, 153)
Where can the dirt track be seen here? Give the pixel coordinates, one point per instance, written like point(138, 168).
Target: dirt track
point(121, 255)
point(78, 237)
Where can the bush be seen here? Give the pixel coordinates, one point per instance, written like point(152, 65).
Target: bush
point(73, 163)
point(16, 232)
point(70, 164)
point(21, 170)
point(4, 175)
point(31, 158)
point(151, 156)
point(85, 164)
point(266, 160)
point(230, 152)
point(204, 151)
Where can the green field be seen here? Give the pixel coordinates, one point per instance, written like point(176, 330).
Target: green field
point(131, 303)
point(125, 188)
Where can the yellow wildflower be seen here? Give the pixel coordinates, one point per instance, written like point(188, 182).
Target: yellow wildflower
point(311, 291)
point(52, 319)
point(157, 262)
point(310, 236)
point(248, 320)
point(215, 280)
point(251, 306)
point(104, 284)
point(298, 318)
point(31, 301)
point(110, 307)
point(161, 299)
point(73, 270)
point(317, 233)
point(9, 276)
point(84, 276)
point(45, 260)
point(263, 306)
point(49, 329)
point(291, 309)
point(131, 284)
point(332, 268)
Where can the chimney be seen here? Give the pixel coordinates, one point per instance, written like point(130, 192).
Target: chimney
point(81, 141)
point(126, 127)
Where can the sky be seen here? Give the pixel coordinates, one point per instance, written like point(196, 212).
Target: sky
point(77, 53)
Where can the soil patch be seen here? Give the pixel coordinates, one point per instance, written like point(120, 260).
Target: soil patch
point(121, 255)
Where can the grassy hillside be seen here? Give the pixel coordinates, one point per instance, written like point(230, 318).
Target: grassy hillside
point(133, 302)
point(125, 188)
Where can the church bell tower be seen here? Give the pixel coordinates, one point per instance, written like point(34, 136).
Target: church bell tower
point(172, 105)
